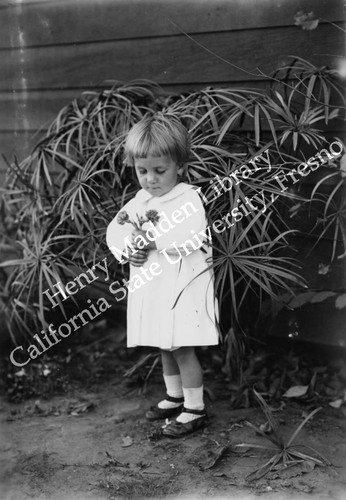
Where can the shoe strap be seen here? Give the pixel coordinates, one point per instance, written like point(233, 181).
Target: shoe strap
point(193, 412)
point(171, 399)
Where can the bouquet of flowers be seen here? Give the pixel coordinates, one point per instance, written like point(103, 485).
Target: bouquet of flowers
point(150, 216)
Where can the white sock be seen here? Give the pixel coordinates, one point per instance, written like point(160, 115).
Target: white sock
point(193, 400)
point(174, 389)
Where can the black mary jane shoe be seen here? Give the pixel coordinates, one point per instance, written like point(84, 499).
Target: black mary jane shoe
point(177, 429)
point(156, 413)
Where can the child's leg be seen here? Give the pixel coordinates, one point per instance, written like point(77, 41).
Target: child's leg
point(172, 378)
point(173, 402)
point(192, 380)
point(169, 364)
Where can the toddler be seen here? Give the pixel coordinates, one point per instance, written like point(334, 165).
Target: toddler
point(162, 233)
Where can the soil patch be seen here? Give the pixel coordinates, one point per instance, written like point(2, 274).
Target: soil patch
point(99, 445)
point(73, 427)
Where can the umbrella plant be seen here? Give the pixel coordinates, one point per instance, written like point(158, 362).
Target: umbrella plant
point(59, 200)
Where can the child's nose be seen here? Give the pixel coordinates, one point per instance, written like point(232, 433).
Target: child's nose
point(151, 178)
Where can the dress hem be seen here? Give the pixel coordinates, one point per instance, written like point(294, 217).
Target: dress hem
point(172, 346)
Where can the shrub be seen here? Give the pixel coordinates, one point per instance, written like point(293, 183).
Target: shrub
point(59, 200)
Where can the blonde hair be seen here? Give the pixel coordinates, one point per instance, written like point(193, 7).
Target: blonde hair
point(157, 135)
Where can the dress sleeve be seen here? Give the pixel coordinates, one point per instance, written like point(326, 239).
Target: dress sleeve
point(118, 235)
point(192, 220)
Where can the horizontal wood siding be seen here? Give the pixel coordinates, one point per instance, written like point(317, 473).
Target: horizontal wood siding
point(168, 60)
point(59, 22)
point(52, 50)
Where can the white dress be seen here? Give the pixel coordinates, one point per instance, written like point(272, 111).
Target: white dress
point(173, 306)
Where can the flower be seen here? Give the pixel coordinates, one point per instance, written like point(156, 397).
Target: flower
point(123, 217)
point(152, 216)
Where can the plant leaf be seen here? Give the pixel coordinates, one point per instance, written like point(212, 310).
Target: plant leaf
point(264, 469)
point(277, 438)
point(299, 428)
point(296, 391)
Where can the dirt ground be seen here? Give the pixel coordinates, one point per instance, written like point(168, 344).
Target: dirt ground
point(93, 442)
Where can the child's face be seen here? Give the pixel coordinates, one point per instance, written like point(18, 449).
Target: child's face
point(156, 174)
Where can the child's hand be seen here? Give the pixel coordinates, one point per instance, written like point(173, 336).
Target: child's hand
point(150, 245)
point(135, 233)
point(139, 258)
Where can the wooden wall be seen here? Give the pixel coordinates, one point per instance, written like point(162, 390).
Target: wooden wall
point(51, 50)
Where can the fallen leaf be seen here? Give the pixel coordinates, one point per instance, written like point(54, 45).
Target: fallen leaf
point(336, 404)
point(82, 408)
point(211, 457)
point(306, 20)
point(296, 391)
point(312, 297)
point(293, 470)
point(321, 296)
point(323, 269)
point(127, 441)
point(340, 302)
point(301, 299)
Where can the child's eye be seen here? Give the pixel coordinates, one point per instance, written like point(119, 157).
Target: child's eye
point(160, 171)
point(141, 171)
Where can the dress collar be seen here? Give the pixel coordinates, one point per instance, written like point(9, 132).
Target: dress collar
point(181, 188)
